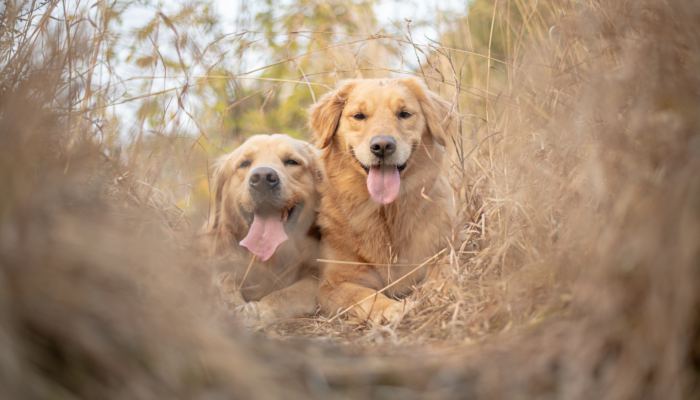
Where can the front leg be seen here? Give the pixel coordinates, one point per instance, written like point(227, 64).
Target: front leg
point(353, 290)
point(296, 300)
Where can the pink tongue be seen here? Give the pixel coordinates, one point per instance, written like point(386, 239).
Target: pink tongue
point(383, 183)
point(264, 236)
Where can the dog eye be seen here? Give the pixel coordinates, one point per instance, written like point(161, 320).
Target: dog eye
point(244, 164)
point(404, 114)
point(359, 116)
point(291, 161)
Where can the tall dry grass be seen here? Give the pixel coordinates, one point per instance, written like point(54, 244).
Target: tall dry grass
point(575, 276)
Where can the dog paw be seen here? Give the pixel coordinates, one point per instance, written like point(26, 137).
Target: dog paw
point(254, 314)
point(229, 295)
point(391, 313)
point(394, 313)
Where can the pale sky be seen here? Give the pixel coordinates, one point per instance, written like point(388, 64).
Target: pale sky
point(388, 12)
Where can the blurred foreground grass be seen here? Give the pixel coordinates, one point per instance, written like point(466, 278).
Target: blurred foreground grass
point(576, 275)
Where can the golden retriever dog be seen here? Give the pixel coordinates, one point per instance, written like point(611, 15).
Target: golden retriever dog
point(261, 230)
point(385, 205)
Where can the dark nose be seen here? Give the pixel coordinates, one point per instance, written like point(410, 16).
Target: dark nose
point(262, 178)
point(382, 146)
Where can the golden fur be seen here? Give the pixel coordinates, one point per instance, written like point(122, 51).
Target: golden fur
point(389, 239)
point(285, 285)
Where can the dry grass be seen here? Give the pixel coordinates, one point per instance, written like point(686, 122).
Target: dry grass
point(575, 276)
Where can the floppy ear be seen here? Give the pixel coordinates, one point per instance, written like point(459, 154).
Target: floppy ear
point(216, 235)
point(312, 155)
point(217, 183)
point(325, 114)
point(439, 115)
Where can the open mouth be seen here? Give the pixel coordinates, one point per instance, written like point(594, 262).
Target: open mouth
point(267, 231)
point(378, 164)
point(290, 214)
point(383, 180)
point(366, 168)
point(287, 213)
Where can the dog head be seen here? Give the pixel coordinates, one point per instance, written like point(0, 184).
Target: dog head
point(264, 191)
point(381, 124)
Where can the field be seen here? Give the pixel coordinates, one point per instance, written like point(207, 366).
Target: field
point(576, 274)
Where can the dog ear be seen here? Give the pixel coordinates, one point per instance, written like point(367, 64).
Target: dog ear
point(223, 225)
point(217, 183)
point(439, 115)
point(313, 155)
point(325, 114)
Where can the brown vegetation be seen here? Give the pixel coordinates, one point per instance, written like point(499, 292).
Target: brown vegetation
point(576, 275)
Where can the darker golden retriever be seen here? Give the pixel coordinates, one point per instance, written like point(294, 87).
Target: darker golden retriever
point(386, 204)
point(261, 230)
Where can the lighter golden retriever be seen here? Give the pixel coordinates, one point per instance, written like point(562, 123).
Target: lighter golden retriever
point(261, 229)
point(385, 204)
